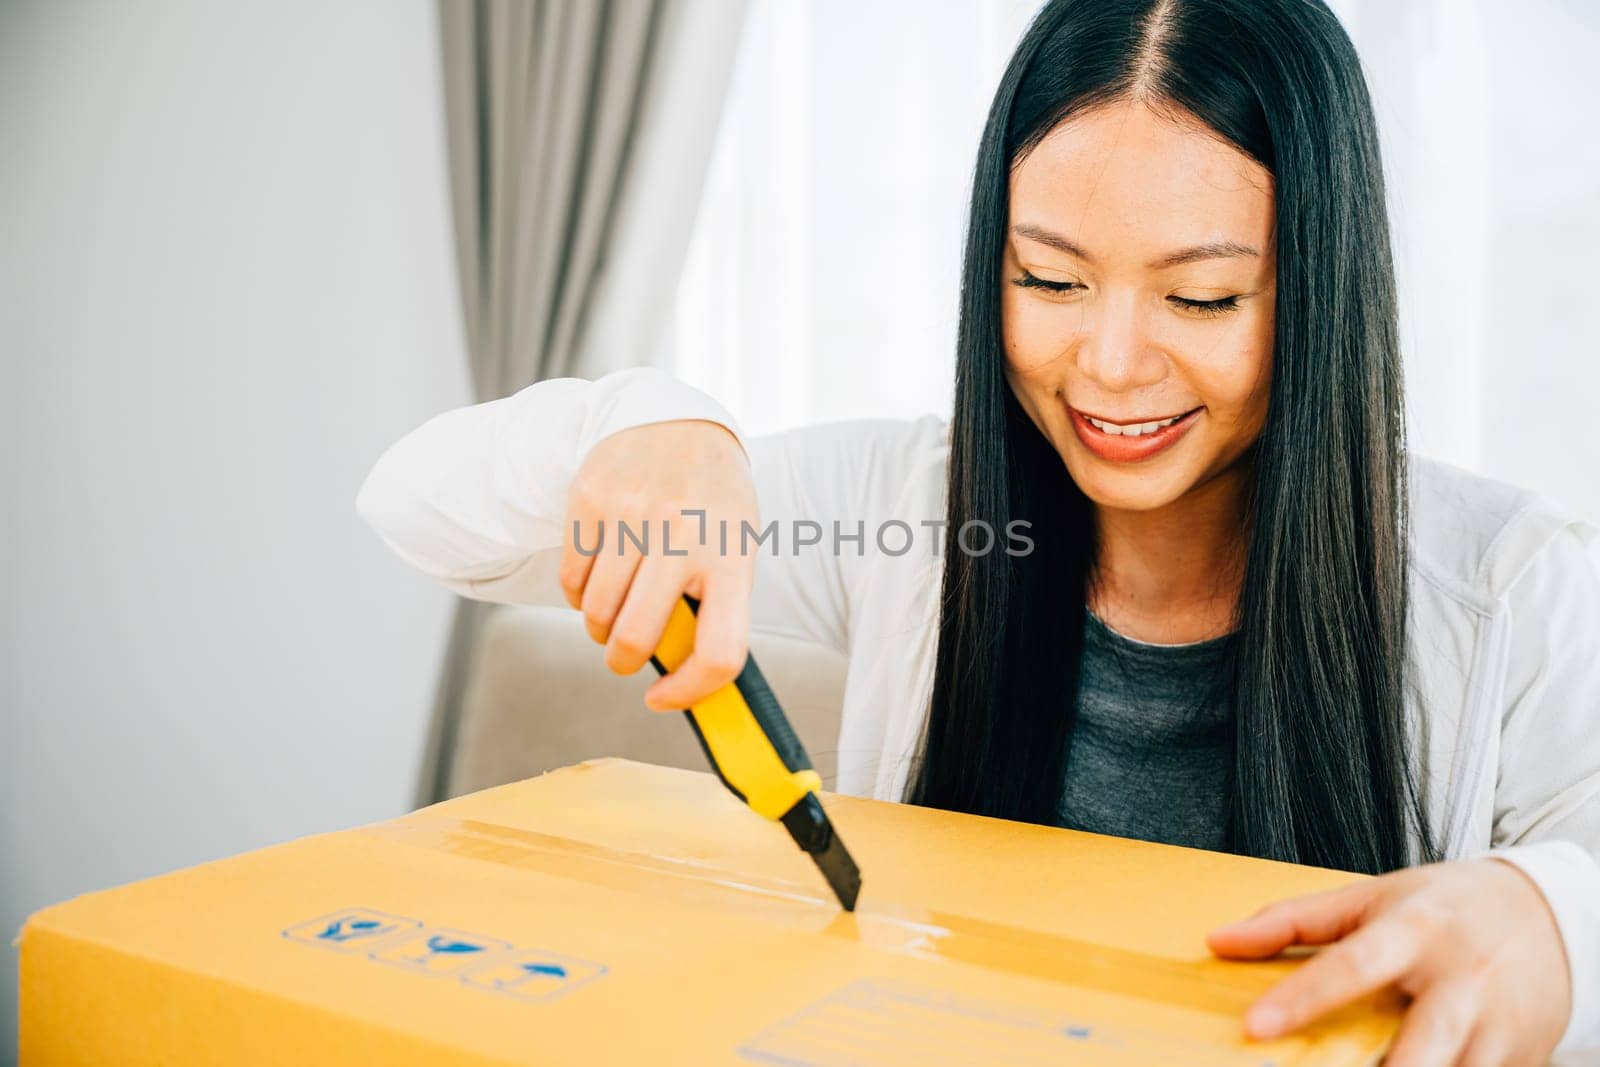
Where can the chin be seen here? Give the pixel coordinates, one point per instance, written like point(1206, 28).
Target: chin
point(1130, 499)
point(1125, 487)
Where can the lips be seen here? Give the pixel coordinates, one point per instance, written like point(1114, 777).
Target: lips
point(1121, 448)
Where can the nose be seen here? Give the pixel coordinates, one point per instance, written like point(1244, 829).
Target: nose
point(1115, 348)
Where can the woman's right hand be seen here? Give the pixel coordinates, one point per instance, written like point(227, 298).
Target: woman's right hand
point(646, 478)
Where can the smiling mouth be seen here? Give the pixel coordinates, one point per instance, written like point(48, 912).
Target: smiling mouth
point(1133, 429)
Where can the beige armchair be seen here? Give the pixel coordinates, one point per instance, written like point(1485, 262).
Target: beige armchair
point(539, 696)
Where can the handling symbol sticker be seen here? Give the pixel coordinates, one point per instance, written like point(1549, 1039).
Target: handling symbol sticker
point(352, 930)
point(528, 974)
point(440, 951)
point(535, 975)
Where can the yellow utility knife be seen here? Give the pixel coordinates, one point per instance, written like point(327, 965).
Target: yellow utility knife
point(755, 752)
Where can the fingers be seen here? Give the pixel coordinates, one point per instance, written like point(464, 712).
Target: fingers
point(1315, 919)
point(1437, 1027)
point(1492, 1046)
point(605, 591)
point(720, 644)
point(627, 602)
point(1477, 987)
point(578, 553)
point(1381, 952)
point(637, 631)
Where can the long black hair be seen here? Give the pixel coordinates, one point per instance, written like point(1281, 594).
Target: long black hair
point(1316, 664)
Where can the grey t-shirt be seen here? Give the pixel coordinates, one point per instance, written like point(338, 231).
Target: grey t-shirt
point(1151, 754)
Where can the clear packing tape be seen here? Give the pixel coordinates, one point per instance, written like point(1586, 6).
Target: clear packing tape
point(1212, 985)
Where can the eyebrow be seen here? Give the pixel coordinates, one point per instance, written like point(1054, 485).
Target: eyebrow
point(1210, 250)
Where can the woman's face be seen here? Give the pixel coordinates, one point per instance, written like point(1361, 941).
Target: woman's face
point(1138, 286)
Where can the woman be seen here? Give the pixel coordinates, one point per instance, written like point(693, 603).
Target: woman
point(1184, 554)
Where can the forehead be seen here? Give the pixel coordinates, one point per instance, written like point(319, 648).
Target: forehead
point(1125, 177)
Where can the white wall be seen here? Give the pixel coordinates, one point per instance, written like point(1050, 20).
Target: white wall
point(226, 283)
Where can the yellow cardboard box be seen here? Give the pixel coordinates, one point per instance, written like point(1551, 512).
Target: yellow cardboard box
point(615, 912)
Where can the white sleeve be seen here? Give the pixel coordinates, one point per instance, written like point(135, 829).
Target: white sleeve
point(476, 497)
point(840, 483)
point(1547, 802)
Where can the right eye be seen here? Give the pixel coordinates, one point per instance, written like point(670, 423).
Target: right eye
point(1032, 281)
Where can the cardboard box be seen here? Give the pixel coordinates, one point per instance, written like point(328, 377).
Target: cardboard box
point(615, 912)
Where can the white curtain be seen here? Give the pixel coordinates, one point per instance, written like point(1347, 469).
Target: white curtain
point(1486, 115)
point(823, 273)
point(822, 276)
point(579, 134)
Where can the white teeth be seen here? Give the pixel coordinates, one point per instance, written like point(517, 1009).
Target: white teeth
point(1137, 429)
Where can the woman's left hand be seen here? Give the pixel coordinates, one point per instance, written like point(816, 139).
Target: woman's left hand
point(1472, 943)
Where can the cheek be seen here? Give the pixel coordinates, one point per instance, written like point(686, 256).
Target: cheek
point(1235, 380)
point(1030, 359)
point(1034, 339)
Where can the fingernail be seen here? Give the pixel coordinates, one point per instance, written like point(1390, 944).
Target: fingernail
point(1264, 1020)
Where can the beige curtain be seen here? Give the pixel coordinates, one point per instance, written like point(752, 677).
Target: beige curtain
point(579, 132)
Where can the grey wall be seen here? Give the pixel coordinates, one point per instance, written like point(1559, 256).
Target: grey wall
point(225, 286)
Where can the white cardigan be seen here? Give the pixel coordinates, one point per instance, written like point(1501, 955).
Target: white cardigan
point(1504, 633)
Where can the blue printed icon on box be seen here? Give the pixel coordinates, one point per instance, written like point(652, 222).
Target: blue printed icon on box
point(535, 975)
point(440, 951)
point(532, 974)
point(351, 930)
